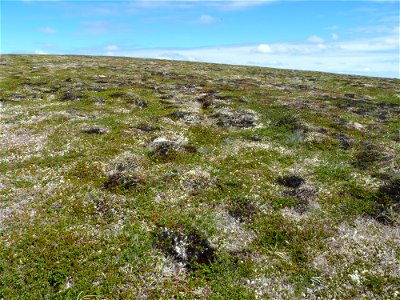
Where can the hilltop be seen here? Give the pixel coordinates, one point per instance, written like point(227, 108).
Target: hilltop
point(151, 179)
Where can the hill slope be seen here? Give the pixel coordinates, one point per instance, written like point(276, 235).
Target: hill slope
point(130, 178)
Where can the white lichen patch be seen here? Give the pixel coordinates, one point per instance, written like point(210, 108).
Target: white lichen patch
point(17, 210)
point(233, 148)
point(172, 196)
point(357, 126)
point(126, 161)
point(122, 111)
point(316, 137)
point(276, 287)
point(177, 137)
point(227, 117)
point(191, 119)
point(264, 146)
point(193, 106)
point(196, 180)
point(231, 235)
point(23, 139)
point(366, 180)
point(364, 249)
point(169, 268)
point(294, 214)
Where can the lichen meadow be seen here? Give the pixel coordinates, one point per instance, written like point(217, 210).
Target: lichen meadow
point(126, 178)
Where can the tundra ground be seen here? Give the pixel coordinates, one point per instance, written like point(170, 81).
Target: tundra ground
point(149, 179)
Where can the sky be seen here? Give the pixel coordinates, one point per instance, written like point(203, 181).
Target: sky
point(350, 37)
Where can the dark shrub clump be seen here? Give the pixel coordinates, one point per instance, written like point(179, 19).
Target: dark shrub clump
point(190, 249)
point(119, 181)
point(291, 181)
point(367, 156)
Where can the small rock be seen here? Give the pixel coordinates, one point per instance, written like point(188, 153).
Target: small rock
point(358, 126)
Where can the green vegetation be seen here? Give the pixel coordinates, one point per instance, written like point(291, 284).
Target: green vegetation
point(126, 178)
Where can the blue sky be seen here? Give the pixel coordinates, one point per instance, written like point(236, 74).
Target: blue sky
point(354, 37)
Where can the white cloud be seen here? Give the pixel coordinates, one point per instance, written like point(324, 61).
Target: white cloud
point(264, 48)
point(362, 57)
point(222, 5)
point(384, 43)
point(334, 36)
point(239, 4)
point(315, 39)
point(111, 48)
point(48, 30)
point(40, 52)
point(296, 48)
point(206, 19)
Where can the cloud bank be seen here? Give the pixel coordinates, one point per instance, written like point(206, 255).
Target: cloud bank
point(371, 57)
